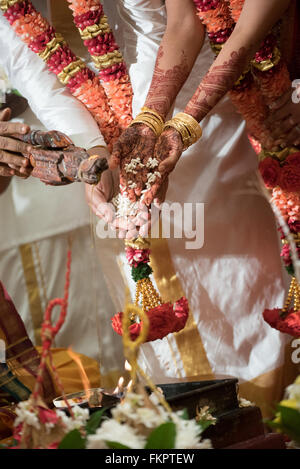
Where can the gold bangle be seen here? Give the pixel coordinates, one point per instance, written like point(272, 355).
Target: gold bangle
point(154, 122)
point(191, 123)
point(147, 122)
point(147, 110)
point(187, 126)
point(181, 129)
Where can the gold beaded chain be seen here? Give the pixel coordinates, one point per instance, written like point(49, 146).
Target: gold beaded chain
point(293, 295)
point(150, 297)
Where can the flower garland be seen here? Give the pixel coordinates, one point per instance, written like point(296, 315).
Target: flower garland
point(164, 318)
point(137, 422)
point(111, 111)
point(266, 80)
point(97, 36)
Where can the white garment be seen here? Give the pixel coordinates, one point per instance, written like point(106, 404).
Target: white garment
point(238, 272)
point(24, 203)
point(34, 212)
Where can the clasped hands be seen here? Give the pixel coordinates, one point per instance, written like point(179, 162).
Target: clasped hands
point(140, 163)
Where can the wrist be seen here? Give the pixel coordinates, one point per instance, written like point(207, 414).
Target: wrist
point(150, 118)
point(187, 127)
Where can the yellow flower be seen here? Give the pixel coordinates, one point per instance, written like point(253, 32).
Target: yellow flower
point(292, 403)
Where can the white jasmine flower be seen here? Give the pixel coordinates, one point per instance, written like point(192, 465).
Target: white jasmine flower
point(151, 178)
point(245, 403)
point(134, 163)
point(111, 430)
point(81, 416)
point(25, 414)
point(152, 163)
point(187, 433)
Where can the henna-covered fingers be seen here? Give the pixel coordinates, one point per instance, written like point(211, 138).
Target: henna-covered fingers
point(168, 150)
point(134, 148)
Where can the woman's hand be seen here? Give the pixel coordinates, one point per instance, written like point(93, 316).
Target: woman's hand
point(132, 153)
point(168, 150)
point(284, 120)
point(12, 161)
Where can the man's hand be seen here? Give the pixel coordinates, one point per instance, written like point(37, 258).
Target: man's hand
point(12, 161)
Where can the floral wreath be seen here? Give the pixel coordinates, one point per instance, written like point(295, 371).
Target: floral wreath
point(266, 79)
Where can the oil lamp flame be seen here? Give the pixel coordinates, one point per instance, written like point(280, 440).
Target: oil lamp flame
point(129, 386)
point(84, 378)
point(127, 366)
point(120, 386)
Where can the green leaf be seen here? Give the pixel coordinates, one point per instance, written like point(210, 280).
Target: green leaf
point(290, 419)
point(204, 424)
point(290, 269)
point(116, 445)
point(72, 440)
point(184, 415)
point(14, 91)
point(163, 437)
point(141, 271)
point(94, 422)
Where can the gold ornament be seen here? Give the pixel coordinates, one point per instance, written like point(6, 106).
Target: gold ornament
point(187, 126)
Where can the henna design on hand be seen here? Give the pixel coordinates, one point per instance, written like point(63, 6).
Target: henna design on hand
point(136, 144)
point(168, 150)
point(216, 83)
point(166, 84)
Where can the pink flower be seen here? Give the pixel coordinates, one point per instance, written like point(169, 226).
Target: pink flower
point(294, 226)
point(137, 256)
point(48, 415)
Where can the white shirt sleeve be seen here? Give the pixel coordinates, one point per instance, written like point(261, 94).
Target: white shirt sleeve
point(52, 103)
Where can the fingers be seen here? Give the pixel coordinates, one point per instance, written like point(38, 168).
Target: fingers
point(168, 165)
point(13, 160)
point(13, 145)
point(9, 128)
point(5, 114)
point(6, 171)
point(115, 159)
point(161, 193)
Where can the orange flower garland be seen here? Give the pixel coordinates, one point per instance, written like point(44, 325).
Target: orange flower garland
point(266, 80)
point(41, 37)
point(99, 40)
